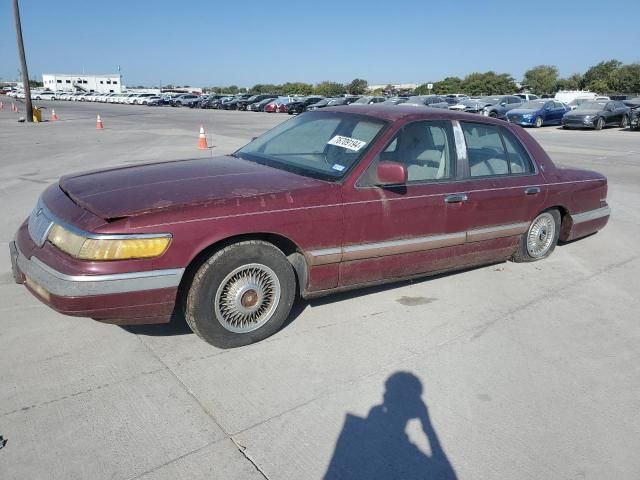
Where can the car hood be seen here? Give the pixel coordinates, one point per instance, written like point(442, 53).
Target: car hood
point(582, 113)
point(523, 111)
point(136, 190)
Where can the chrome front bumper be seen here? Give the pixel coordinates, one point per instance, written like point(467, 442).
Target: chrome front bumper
point(63, 285)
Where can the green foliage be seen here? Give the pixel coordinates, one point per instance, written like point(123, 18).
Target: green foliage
point(297, 88)
point(573, 82)
point(329, 89)
point(358, 86)
point(489, 83)
point(625, 79)
point(542, 79)
point(599, 78)
point(35, 84)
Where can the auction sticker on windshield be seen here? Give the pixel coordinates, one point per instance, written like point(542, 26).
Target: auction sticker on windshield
point(347, 142)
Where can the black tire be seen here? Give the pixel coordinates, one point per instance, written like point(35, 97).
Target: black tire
point(203, 310)
point(538, 123)
point(599, 125)
point(493, 114)
point(526, 254)
point(624, 122)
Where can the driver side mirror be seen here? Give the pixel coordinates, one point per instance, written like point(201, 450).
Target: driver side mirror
point(503, 104)
point(391, 173)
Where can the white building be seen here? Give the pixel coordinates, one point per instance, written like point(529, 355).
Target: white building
point(66, 82)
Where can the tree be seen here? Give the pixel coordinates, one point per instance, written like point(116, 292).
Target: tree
point(423, 89)
point(329, 89)
point(358, 86)
point(574, 82)
point(297, 88)
point(542, 79)
point(488, 83)
point(626, 79)
point(599, 78)
point(448, 85)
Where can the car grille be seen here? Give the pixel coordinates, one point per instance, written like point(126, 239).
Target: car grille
point(515, 118)
point(39, 224)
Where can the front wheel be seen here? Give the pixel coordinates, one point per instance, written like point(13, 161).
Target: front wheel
point(540, 239)
point(624, 122)
point(493, 114)
point(242, 294)
point(599, 124)
point(538, 123)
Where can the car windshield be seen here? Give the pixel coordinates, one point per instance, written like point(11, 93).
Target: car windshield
point(592, 106)
point(534, 104)
point(322, 145)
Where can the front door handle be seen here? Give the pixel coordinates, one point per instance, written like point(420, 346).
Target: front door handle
point(456, 198)
point(532, 191)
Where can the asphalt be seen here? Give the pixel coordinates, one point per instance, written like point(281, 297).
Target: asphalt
point(507, 371)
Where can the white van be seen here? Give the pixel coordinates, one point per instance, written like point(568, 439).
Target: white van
point(567, 96)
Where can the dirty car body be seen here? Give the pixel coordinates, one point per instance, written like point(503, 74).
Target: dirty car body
point(336, 199)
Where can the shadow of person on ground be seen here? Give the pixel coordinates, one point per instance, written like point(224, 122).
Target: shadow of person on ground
point(378, 448)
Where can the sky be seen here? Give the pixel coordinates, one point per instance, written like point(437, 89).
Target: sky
point(207, 43)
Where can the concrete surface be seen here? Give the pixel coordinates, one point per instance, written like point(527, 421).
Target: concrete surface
point(511, 371)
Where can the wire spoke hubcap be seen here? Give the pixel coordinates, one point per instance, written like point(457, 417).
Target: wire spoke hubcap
point(541, 234)
point(247, 298)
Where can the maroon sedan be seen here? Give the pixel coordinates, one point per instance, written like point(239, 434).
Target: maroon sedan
point(330, 200)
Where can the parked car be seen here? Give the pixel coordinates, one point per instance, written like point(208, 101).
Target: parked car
point(634, 112)
point(395, 100)
point(597, 115)
point(259, 106)
point(527, 97)
point(369, 100)
point(43, 95)
point(348, 100)
point(278, 105)
point(433, 101)
point(142, 98)
point(233, 104)
point(180, 100)
point(495, 106)
point(300, 104)
point(567, 96)
point(319, 104)
point(242, 104)
point(112, 246)
point(537, 113)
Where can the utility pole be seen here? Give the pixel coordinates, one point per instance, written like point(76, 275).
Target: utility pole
point(23, 63)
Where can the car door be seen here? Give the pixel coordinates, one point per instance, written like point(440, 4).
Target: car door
point(504, 190)
point(406, 229)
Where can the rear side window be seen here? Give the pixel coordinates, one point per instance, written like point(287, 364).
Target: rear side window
point(494, 151)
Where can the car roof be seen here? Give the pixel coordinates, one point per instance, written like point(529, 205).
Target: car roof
point(394, 113)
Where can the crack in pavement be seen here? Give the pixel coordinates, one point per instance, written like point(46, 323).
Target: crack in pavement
point(81, 392)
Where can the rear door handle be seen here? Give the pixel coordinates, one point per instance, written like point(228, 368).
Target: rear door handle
point(532, 191)
point(456, 198)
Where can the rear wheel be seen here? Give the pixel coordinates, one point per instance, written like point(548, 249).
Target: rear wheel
point(540, 239)
point(242, 294)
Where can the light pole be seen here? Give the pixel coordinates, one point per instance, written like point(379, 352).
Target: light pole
point(23, 62)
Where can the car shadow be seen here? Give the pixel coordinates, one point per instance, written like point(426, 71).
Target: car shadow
point(178, 325)
point(378, 448)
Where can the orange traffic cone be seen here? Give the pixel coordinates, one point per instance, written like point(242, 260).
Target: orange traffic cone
point(1, 106)
point(202, 141)
point(99, 125)
point(54, 117)
point(14, 108)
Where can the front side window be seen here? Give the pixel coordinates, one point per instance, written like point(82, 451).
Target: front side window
point(425, 148)
point(322, 145)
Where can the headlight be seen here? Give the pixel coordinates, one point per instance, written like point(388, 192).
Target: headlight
point(123, 248)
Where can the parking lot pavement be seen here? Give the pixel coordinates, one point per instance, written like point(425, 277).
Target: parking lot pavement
point(521, 371)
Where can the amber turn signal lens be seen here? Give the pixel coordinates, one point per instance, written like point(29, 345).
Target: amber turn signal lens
point(123, 249)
